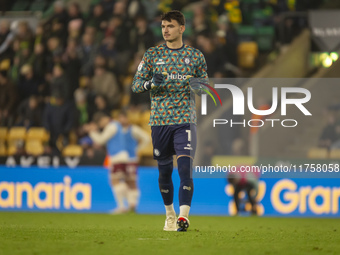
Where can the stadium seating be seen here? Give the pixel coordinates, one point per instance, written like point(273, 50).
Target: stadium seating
point(134, 117)
point(3, 133)
point(3, 150)
point(16, 138)
point(72, 151)
point(3, 136)
point(247, 54)
point(37, 134)
point(5, 64)
point(35, 138)
point(317, 153)
point(34, 148)
point(265, 38)
point(145, 116)
point(334, 154)
point(246, 33)
point(17, 133)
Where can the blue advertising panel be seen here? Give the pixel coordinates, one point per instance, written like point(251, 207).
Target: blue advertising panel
point(87, 189)
point(83, 189)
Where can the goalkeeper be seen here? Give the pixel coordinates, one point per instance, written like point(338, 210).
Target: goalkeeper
point(165, 71)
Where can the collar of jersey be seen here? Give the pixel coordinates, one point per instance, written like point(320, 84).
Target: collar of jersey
point(175, 49)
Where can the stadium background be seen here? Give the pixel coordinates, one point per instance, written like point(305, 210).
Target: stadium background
point(60, 62)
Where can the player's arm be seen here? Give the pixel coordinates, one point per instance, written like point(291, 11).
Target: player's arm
point(102, 138)
point(200, 75)
point(141, 135)
point(201, 67)
point(143, 74)
point(144, 78)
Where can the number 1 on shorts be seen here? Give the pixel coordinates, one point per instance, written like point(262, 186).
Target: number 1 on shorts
point(189, 134)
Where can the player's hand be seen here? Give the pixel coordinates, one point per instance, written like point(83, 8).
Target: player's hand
point(197, 85)
point(156, 81)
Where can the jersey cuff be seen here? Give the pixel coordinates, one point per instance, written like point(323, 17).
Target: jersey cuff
point(147, 85)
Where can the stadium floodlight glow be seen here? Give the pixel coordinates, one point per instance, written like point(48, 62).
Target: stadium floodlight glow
point(334, 56)
point(323, 56)
point(327, 62)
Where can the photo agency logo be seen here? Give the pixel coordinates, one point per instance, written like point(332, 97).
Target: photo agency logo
point(238, 103)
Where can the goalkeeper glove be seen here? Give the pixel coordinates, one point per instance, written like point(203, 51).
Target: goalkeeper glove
point(197, 85)
point(156, 81)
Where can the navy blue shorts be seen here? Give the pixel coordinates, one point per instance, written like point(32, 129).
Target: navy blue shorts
point(173, 140)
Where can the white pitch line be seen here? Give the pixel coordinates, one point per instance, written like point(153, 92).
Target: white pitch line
point(157, 239)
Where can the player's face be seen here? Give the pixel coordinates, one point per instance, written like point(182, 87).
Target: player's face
point(172, 31)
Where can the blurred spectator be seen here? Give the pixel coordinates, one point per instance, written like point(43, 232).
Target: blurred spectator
point(142, 37)
point(58, 119)
point(75, 28)
point(30, 113)
point(59, 31)
point(53, 55)
point(151, 8)
point(87, 52)
point(24, 35)
point(98, 18)
point(38, 60)
point(59, 14)
point(100, 60)
point(74, 12)
point(60, 84)
point(101, 105)
point(6, 37)
point(141, 100)
point(29, 84)
point(108, 6)
point(213, 56)
point(247, 182)
point(134, 8)
point(119, 8)
point(39, 35)
point(228, 38)
point(199, 23)
point(8, 99)
point(121, 31)
point(329, 133)
point(83, 109)
point(72, 64)
point(108, 49)
point(105, 83)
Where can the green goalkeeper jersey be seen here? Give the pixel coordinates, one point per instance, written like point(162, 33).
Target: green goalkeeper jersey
point(171, 102)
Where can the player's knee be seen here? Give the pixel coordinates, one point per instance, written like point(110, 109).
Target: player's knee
point(165, 168)
point(185, 169)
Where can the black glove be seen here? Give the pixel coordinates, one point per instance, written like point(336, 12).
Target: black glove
point(156, 81)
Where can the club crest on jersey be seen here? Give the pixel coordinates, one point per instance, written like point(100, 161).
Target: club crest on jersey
point(160, 62)
point(140, 66)
point(187, 61)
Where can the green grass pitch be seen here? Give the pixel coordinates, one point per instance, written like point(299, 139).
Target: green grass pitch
point(50, 233)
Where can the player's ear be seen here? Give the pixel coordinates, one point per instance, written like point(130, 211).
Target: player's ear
point(182, 29)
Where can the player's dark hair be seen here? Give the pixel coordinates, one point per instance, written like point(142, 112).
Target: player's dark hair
point(174, 15)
